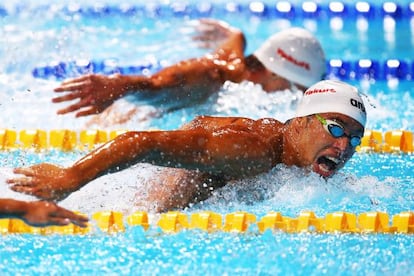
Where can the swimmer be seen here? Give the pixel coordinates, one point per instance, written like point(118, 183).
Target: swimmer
point(39, 213)
point(209, 152)
point(290, 59)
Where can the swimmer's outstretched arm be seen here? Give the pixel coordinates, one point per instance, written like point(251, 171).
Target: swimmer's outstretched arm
point(228, 151)
point(182, 84)
point(39, 213)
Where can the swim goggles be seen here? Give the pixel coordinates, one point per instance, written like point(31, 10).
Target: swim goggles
point(338, 131)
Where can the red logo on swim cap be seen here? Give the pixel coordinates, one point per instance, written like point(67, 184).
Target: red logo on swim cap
point(320, 90)
point(291, 59)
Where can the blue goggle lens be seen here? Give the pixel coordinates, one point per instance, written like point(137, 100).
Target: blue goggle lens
point(338, 131)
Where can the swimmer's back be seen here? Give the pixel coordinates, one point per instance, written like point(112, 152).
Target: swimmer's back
point(264, 126)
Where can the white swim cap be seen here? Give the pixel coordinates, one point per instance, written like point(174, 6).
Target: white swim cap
point(333, 96)
point(294, 54)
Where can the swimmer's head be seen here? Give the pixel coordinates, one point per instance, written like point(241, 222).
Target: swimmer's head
point(294, 54)
point(330, 96)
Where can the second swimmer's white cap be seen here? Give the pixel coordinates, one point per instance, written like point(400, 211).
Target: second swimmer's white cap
point(294, 54)
point(333, 96)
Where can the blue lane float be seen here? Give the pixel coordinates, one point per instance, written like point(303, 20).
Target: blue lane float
point(61, 69)
point(336, 68)
point(283, 9)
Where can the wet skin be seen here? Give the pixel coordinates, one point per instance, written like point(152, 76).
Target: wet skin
point(39, 213)
point(208, 147)
point(186, 83)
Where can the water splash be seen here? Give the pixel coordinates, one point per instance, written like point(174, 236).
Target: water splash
point(285, 189)
point(290, 190)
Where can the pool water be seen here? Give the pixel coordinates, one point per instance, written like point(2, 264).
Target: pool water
point(35, 35)
point(207, 254)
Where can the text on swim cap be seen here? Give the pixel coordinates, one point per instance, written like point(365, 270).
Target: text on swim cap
point(320, 90)
point(358, 104)
point(291, 59)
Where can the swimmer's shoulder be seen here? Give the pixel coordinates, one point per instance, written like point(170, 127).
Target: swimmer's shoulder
point(218, 122)
point(269, 126)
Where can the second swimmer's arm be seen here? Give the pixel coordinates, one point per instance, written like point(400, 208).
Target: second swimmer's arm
point(183, 84)
point(194, 79)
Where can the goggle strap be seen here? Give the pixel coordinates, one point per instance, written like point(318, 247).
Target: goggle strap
point(321, 119)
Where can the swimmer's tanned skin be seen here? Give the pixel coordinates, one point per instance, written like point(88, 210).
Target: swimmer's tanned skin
point(186, 83)
point(207, 148)
point(210, 151)
point(39, 213)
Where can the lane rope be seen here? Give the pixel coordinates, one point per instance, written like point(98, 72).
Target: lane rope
point(393, 141)
point(336, 68)
point(279, 9)
point(372, 222)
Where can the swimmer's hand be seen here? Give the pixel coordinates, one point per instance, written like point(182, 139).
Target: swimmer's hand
point(45, 181)
point(44, 213)
point(212, 33)
point(95, 93)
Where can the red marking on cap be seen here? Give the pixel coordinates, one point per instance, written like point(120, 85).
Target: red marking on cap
point(320, 90)
point(292, 60)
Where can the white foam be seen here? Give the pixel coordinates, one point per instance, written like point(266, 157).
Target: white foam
point(250, 100)
point(291, 188)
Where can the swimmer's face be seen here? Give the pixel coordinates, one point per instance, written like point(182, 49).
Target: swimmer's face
point(321, 151)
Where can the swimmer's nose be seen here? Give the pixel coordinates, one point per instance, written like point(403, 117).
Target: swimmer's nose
point(342, 143)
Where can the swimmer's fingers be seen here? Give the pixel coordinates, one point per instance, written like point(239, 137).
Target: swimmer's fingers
point(45, 180)
point(22, 182)
point(207, 35)
point(64, 217)
point(89, 111)
point(208, 30)
point(86, 102)
point(206, 45)
point(75, 91)
point(37, 191)
point(44, 213)
point(68, 109)
point(207, 40)
point(58, 221)
point(73, 83)
point(71, 87)
point(217, 27)
point(65, 221)
point(62, 221)
point(214, 23)
point(85, 112)
point(24, 189)
point(67, 97)
point(25, 171)
point(34, 191)
point(78, 79)
point(201, 38)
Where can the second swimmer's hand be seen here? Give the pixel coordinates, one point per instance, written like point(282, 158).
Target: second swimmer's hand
point(94, 92)
point(44, 213)
point(211, 33)
point(45, 181)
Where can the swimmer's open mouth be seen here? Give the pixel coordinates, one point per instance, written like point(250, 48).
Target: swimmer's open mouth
point(326, 165)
